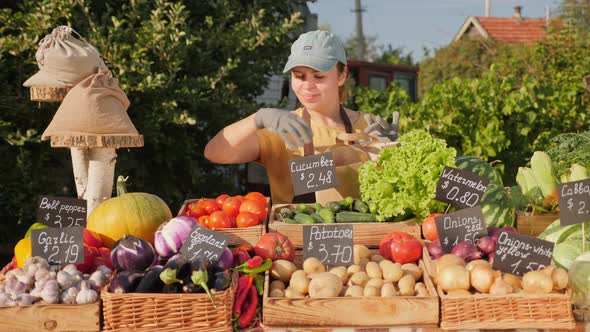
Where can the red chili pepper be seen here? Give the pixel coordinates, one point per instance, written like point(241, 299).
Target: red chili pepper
point(254, 262)
point(250, 307)
point(244, 284)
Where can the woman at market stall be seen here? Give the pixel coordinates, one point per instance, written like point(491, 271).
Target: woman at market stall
point(317, 65)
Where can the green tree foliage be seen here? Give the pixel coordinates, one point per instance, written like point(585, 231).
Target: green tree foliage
point(188, 67)
point(576, 13)
point(503, 113)
point(396, 56)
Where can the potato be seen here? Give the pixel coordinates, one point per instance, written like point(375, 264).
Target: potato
point(391, 271)
point(359, 279)
point(354, 291)
point(373, 270)
point(299, 282)
point(363, 262)
point(341, 272)
point(360, 251)
point(282, 270)
point(420, 289)
point(377, 258)
point(537, 282)
point(291, 293)
point(312, 265)
point(388, 290)
point(277, 284)
point(313, 275)
point(276, 292)
point(354, 269)
point(413, 269)
point(377, 282)
point(371, 291)
point(406, 285)
point(560, 279)
point(325, 285)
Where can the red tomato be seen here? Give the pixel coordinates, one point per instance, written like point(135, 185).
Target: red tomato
point(218, 219)
point(429, 227)
point(256, 196)
point(247, 219)
point(400, 247)
point(233, 222)
point(255, 208)
point(231, 206)
point(196, 209)
point(275, 246)
point(92, 239)
point(220, 199)
point(211, 206)
point(203, 221)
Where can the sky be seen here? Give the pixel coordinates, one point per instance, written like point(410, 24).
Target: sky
point(414, 24)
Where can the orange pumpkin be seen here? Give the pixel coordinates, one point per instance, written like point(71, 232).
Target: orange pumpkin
point(137, 214)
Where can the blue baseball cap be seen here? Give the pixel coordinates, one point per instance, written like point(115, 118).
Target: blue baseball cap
point(320, 50)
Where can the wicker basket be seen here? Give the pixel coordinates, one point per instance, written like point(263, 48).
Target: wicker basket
point(367, 233)
point(534, 225)
point(512, 311)
point(169, 312)
point(238, 236)
point(49, 94)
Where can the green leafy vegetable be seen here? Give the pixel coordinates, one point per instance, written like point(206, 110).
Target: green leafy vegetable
point(403, 180)
point(568, 149)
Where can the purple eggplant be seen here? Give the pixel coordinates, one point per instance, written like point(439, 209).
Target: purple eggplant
point(132, 254)
point(222, 280)
point(151, 282)
point(125, 282)
point(176, 269)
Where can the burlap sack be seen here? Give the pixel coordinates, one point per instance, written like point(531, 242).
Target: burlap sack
point(64, 60)
point(94, 114)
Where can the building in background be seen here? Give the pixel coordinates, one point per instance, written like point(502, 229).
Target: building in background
point(378, 76)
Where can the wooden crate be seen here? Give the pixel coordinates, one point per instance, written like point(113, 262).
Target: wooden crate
point(367, 233)
point(145, 312)
point(350, 311)
point(238, 236)
point(534, 225)
point(54, 318)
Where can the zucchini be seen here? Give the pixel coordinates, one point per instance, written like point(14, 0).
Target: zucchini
point(360, 206)
point(286, 213)
point(317, 218)
point(334, 207)
point(327, 215)
point(302, 218)
point(352, 217)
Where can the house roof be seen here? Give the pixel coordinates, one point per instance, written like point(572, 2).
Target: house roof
point(506, 29)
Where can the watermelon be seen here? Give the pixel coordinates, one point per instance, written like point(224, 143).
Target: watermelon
point(479, 167)
point(497, 207)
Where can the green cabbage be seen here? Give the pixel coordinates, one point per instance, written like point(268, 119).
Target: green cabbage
point(403, 180)
point(579, 276)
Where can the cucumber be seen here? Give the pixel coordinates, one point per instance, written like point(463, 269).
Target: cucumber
point(360, 206)
point(286, 213)
point(346, 217)
point(346, 204)
point(317, 218)
point(302, 218)
point(327, 215)
point(334, 207)
point(289, 221)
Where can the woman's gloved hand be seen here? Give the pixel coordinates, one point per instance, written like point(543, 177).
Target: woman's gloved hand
point(282, 123)
point(380, 129)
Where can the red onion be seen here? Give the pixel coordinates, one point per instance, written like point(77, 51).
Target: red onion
point(435, 249)
point(494, 233)
point(486, 244)
point(467, 250)
point(491, 258)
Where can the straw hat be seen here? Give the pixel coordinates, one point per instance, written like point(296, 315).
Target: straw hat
point(94, 114)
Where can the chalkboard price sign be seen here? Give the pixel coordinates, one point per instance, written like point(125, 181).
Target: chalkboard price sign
point(59, 245)
point(460, 188)
point(331, 244)
point(313, 173)
point(464, 225)
point(574, 202)
point(519, 254)
point(204, 243)
point(61, 211)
